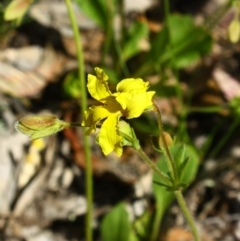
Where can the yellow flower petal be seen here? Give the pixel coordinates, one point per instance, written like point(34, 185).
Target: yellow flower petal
point(93, 116)
point(123, 99)
point(132, 85)
point(135, 104)
point(98, 85)
point(108, 137)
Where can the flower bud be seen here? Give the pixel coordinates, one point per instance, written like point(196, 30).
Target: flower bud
point(40, 126)
point(168, 138)
point(234, 31)
point(16, 9)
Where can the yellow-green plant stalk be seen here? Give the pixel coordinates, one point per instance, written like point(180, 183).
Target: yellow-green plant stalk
point(83, 104)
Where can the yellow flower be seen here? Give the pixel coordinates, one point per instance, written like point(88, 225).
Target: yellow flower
point(130, 101)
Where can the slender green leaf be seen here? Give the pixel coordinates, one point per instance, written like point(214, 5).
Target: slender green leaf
point(180, 43)
point(159, 45)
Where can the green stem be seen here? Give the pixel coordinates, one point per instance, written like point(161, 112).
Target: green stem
point(188, 215)
point(171, 164)
point(178, 193)
point(166, 10)
point(152, 166)
point(83, 104)
point(122, 16)
point(109, 31)
point(142, 70)
point(75, 124)
point(121, 64)
point(119, 43)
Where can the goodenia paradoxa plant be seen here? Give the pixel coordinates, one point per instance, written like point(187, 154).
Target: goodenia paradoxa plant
point(129, 101)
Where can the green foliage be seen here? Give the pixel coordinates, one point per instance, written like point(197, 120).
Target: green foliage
point(180, 43)
point(71, 85)
point(97, 10)
point(235, 105)
point(120, 49)
point(142, 227)
point(116, 225)
point(5, 27)
point(187, 161)
point(112, 74)
point(181, 153)
point(147, 124)
point(134, 35)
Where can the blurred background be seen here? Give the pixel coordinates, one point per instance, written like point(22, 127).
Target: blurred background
point(187, 50)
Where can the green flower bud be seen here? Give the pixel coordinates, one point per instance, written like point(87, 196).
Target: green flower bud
point(168, 138)
point(234, 31)
point(128, 135)
point(16, 9)
point(40, 126)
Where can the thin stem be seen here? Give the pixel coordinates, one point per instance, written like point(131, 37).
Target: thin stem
point(166, 10)
point(142, 70)
point(75, 124)
point(109, 31)
point(171, 163)
point(146, 159)
point(188, 215)
point(121, 65)
point(122, 16)
point(83, 104)
point(81, 69)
